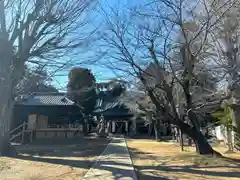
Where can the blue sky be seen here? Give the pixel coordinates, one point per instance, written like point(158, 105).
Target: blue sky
point(101, 73)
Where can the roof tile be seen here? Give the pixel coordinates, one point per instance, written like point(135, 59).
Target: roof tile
point(44, 99)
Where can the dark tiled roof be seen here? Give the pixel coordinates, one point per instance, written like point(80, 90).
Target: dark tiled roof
point(105, 102)
point(45, 99)
point(119, 110)
point(109, 105)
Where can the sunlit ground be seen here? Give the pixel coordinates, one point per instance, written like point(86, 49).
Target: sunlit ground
point(153, 160)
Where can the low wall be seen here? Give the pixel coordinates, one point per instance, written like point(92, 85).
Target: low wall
point(58, 132)
point(52, 134)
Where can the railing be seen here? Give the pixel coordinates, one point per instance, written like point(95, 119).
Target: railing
point(64, 126)
point(18, 131)
point(22, 130)
point(55, 130)
point(237, 141)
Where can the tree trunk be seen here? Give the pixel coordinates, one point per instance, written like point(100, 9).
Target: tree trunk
point(177, 132)
point(85, 126)
point(150, 127)
point(90, 127)
point(236, 129)
point(134, 127)
point(156, 125)
point(6, 100)
point(108, 128)
point(229, 139)
point(90, 124)
point(189, 141)
point(101, 131)
point(181, 140)
point(202, 145)
point(5, 118)
point(173, 132)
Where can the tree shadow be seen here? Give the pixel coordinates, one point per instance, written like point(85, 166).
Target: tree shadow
point(112, 161)
point(148, 137)
point(68, 154)
point(80, 147)
point(162, 165)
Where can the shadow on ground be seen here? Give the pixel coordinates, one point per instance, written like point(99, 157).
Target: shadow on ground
point(161, 166)
point(76, 155)
point(66, 153)
point(78, 147)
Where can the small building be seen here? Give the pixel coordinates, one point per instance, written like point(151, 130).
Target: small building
point(47, 114)
point(53, 114)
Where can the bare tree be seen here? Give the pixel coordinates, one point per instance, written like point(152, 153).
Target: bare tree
point(34, 80)
point(173, 36)
point(35, 32)
point(226, 55)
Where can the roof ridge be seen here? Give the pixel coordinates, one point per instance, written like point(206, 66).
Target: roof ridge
point(48, 93)
point(46, 99)
point(67, 99)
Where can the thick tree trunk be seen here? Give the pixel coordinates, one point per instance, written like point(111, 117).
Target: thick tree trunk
point(6, 100)
point(233, 89)
point(202, 145)
point(5, 119)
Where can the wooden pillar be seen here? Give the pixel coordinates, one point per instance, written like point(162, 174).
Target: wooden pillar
point(126, 127)
point(134, 126)
point(31, 136)
point(108, 127)
point(113, 126)
point(23, 132)
point(102, 126)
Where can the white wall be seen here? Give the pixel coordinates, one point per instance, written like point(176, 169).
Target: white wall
point(221, 133)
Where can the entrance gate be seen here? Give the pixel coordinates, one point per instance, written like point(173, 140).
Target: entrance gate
point(120, 126)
